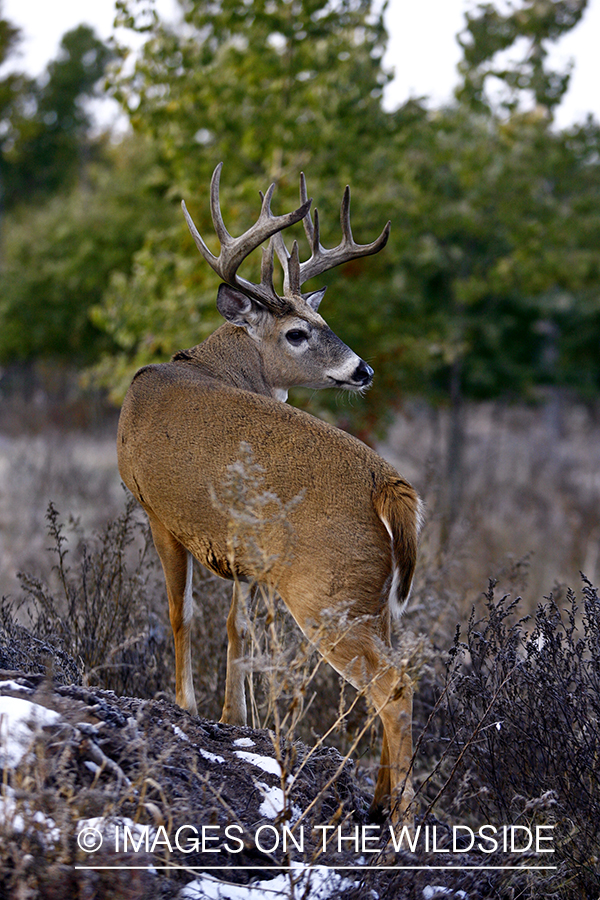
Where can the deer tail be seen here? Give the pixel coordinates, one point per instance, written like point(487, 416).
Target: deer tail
point(400, 509)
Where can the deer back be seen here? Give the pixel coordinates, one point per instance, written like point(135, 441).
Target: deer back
point(181, 432)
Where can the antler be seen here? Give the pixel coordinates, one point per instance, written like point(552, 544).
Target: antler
point(235, 250)
point(296, 273)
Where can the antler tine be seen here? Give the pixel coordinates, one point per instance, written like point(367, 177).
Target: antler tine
point(215, 208)
point(307, 221)
point(294, 269)
point(235, 250)
point(208, 256)
point(345, 218)
point(283, 255)
point(266, 267)
point(290, 263)
point(321, 259)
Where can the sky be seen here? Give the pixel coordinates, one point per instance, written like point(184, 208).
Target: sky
point(422, 46)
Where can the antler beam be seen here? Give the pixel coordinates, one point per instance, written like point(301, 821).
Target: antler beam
point(235, 250)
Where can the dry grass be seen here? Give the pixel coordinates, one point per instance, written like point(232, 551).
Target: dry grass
point(530, 506)
point(531, 493)
point(76, 471)
point(530, 516)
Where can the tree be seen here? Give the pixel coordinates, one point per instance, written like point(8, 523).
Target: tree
point(58, 257)
point(13, 87)
point(264, 85)
point(46, 124)
point(10, 84)
point(502, 215)
point(529, 27)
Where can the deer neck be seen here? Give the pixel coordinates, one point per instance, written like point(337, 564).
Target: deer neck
point(230, 356)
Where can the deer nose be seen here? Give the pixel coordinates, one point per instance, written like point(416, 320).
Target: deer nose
point(363, 374)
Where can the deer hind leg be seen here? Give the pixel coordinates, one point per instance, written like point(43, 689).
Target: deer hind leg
point(177, 566)
point(392, 696)
point(234, 708)
point(360, 657)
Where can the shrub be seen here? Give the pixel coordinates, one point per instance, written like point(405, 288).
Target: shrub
point(97, 623)
point(522, 710)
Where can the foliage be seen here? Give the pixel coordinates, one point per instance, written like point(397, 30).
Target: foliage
point(78, 207)
point(501, 226)
point(264, 86)
point(489, 283)
point(13, 87)
point(46, 125)
point(58, 258)
point(493, 256)
point(269, 89)
point(164, 304)
point(528, 28)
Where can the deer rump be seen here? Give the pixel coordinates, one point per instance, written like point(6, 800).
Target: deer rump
point(343, 528)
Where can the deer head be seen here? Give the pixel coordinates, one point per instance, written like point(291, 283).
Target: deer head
point(297, 345)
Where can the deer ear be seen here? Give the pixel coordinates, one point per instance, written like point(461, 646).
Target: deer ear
point(314, 299)
point(236, 307)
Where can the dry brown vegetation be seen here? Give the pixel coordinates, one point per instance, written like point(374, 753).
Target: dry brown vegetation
point(529, 498)
point(94, 608)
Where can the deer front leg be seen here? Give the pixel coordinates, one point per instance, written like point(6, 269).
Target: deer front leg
point(234, 708)
point(177, 565)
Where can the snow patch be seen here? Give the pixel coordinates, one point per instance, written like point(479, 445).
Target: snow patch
point(274, 802)
point(213, 757)
point(436, 890)
point(23, 820)
point(318, 883)
point(14, 686)
point(266, 763)
point(180, 734)
point(19, 721)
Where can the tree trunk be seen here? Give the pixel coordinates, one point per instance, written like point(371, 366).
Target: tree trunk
point(452, 496)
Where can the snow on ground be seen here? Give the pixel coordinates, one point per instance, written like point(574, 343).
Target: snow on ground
point(316, 883)
point(212, 757)
point(180, 733)
point(274, 802)
point(14, 686)
point(437, 891)
point(266, 763)
point(18, 813)
point(19, 721)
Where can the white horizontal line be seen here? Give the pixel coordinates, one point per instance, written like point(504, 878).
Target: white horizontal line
point(302, 868)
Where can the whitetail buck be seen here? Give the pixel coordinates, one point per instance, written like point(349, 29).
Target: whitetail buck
point(183, 425)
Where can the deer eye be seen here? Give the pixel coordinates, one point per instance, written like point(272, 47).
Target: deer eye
point(295, 337)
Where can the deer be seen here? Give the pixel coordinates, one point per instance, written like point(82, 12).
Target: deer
point(355, 528)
